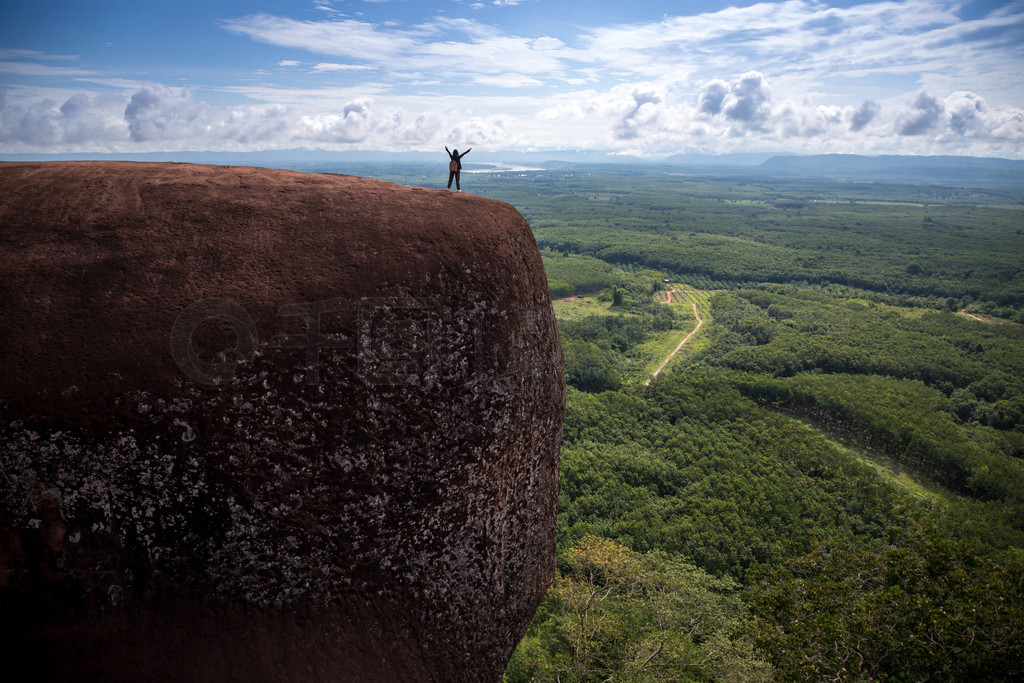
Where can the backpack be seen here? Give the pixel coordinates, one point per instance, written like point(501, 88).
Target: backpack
point(453, 166)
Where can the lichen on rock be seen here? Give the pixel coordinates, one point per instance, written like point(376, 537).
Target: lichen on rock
point(270, 425)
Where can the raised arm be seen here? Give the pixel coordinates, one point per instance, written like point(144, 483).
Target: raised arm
point(466, 152)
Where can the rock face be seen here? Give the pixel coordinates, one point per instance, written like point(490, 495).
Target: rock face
point(264, 425)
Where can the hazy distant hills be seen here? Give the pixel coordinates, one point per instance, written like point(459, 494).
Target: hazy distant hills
point(738, 159)
point(894, 168)
point(930, 170)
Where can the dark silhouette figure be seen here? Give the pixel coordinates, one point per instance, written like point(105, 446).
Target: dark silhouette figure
point(455, 167)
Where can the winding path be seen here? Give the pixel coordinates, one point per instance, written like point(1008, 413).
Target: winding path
point(988, 320)
point(963, 311)
point(700, 322)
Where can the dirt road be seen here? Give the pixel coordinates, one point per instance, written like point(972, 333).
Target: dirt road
point(700, 322)
point(963, 311)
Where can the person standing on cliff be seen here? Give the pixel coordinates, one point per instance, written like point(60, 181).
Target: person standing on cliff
point(455, 167)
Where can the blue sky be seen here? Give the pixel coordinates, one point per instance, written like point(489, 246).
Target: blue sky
point(647, 77)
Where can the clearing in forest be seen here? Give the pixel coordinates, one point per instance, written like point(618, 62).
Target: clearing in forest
point(695, 300)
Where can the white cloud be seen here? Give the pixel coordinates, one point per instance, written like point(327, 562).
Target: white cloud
point(455, 47)
point(325, 6)
point(326, 67)
point(352, 125)
point(162, 118)
point(81, 120)
point(483, 131)
point(85, 119)
point(653, 118)
point(875, 77)
point(345, 38)
point(967, 112)
point(968, 116)
point(641, 112)
point(307, 99)
point(162, 113)
point(803, 44)
point(507, 80)
point(922, 116)
point(806, 45)
point(864, 115)
point(746, 113)
point(747, 101)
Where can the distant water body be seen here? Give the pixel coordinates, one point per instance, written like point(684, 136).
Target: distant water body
point(501, 168)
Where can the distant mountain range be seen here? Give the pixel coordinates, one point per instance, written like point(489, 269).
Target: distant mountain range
point(894, 168)
point(930, 170)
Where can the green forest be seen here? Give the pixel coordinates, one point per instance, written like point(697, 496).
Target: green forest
point(826, 482)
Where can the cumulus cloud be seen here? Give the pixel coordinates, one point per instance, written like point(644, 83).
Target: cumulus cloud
point(712, 97)
point(352, 125)
point(80, 120)
point(727, 114)
point(157, 117)
point(483, 131)
point(85, 119)
point(789, 74)
point(968, 116)
point(417, 131)
point(967, 112)
point(640, 116)
point(748, 100)
point(864, 114)
point(922, 116)
point(161, 113)
point(808, 121)
point(32, 125)
point(745, 101)
point(745, 112)
point(1009, 126)
point(733, 114)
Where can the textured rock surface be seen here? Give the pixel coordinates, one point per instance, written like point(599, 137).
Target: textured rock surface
point(264, 425)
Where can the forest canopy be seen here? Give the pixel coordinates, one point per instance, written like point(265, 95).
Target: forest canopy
point(826, 482)
point(833, 467)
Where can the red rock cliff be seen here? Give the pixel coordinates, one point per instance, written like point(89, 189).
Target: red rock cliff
point(264, 425)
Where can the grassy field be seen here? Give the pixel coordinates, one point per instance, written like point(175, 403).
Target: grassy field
point(663, 344)
point(579, 307)
point(888, 469)
point(645, 358)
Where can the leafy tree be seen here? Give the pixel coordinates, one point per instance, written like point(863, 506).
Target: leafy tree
point(615, 614)
point(929, 610)
point(589, 367)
